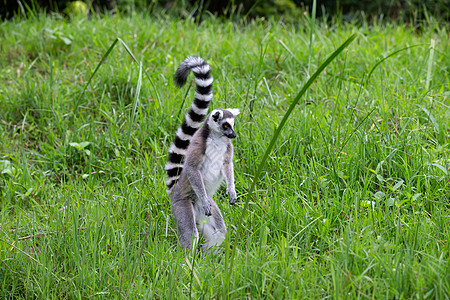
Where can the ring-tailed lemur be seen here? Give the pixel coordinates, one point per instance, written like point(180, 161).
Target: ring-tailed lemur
point(199, 160)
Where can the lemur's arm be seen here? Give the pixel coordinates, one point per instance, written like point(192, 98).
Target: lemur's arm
point(228, 172)
point(193, 174)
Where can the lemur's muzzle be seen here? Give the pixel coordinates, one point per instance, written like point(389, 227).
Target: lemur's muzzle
point(231, 135)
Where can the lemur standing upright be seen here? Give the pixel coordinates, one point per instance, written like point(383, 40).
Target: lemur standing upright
point(199, 160)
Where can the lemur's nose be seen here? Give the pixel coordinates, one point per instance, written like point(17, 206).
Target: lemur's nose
point(231, 135)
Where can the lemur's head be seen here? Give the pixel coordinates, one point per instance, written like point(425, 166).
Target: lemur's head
point(221, 121)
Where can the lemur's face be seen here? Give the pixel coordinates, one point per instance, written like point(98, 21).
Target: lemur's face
point(222, 121)
point(227, 128)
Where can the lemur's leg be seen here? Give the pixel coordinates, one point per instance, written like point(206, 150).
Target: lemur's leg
point(212, 228)
point(184, 214)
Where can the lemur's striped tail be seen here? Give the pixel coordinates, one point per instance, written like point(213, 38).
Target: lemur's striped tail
point(193, 119)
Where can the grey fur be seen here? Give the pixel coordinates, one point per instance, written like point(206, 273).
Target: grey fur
point(200, 159)
point(207, 163)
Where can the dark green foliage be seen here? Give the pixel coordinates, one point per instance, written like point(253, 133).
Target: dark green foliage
point(290, 10)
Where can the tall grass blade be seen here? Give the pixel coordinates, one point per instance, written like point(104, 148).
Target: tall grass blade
point(127, 49)
point(288, 113)
point(184, 101)
point(145, 72)
point(311, 34)
point(444, 6)
point(77, 103)
point(135, 104)
point(430, 117)
point(289, 51)
point(355, 129)
point(430, 64)
point(117, 40)
point(385, 58)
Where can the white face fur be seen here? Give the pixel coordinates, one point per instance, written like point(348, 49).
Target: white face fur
point(234, 111)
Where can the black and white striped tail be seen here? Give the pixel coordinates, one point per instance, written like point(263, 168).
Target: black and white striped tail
point(193, 119)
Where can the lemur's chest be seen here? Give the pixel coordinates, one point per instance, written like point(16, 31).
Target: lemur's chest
point(212, 166)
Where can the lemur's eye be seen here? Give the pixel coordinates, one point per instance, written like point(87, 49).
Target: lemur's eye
point(225, 126)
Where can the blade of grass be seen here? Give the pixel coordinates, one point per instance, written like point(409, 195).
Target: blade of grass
point(365, 81)
point(386, 57)
point(145, 72)
point(135, 103)
point(289, 51)
point(311, 34)
point(327, 148)
point(355, 129)
point(251, 9)
point(262, 53)
point(430, 64)
point(184, 101)
point(117, 40)
point(77, 103)
point(430, 117)
point(286, 117)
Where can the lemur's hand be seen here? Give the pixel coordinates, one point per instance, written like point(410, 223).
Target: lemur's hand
point(207, 206)
point(233, 196)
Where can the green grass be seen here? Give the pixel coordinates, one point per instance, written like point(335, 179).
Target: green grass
point(352, 202)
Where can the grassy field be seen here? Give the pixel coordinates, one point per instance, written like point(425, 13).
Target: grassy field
point(353, 201)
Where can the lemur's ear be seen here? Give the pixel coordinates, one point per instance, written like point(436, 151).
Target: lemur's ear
point(217, 116)
point(234, 111)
